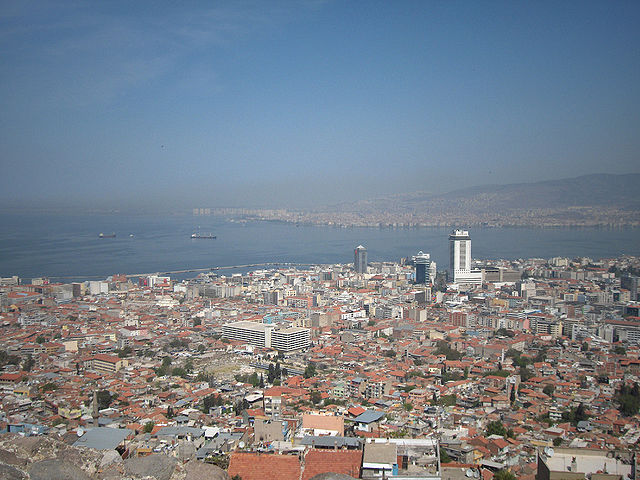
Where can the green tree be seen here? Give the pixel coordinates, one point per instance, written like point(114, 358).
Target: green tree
point(407, 406)
point(315, 397)
point(125, 352)
point(525, 374)
point(557, 442)
point(448, 400)
point(444, 456)
point(548, 390)
point(148, 427)
point(179, 372)
point(104, 399)
point(504, 475)
point(444, 349)
point(310, 370)
point(628, 399)
point(496, 428)
point(28, 363)
point(40, 339)
point(619, 350)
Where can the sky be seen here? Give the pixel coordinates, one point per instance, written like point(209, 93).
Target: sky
point(288, 104)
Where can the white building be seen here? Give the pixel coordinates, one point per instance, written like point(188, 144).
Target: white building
point(460, 271)
point(268, 336)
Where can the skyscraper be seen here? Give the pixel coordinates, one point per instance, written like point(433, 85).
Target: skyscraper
point(460, 259)
point(360, 259)
point(423, 263)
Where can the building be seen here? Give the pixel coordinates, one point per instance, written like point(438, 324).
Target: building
point(631, 283)
point(422, 262)
point(360, 259)
point(290, 339)
point(108, 363)
point(460, 271)
point(578, 463)
point(268, 336)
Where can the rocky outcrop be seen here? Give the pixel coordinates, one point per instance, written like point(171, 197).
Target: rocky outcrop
point(50, 458)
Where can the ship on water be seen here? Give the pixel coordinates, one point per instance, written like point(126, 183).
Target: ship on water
point(107, 235)
point(203, 235)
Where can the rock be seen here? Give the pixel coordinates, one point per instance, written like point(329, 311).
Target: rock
point(7, 472)
point(196, 470)
point(11, 458)
point(56, 470)
point(158, 466)
point(109, 457)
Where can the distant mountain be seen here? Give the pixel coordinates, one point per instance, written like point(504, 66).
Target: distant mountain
point(601, 190)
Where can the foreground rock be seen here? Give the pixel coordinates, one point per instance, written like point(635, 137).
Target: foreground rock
point(49, 458)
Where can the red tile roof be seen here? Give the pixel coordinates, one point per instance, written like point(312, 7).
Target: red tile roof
point(347, 462)
point(256, 466)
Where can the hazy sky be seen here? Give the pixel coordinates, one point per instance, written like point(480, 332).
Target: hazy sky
point(266, 103)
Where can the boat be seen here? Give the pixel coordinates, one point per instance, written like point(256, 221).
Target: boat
point(107, 235)
point(210, 236)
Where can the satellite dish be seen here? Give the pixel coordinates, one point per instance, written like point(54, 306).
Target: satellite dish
point(468, 473)
point(241, 445)
point(80, 432)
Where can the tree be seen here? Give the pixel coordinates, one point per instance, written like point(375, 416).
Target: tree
point(619, 350)
point(496, 428)
point(315, 397)
point(40, 339)
point(28, 363)
point(179, 372)
point(584, 347)
point(211, 401)
point(444, 456)
point(504, 475)
point(125, 352)
point(525, 374)
point(548, 390)
point(408, 406)
point(197, 322)
point(628, 399)
point(448, 400)
point(310, 370)
point(148, 427)
point(557, 442)
point(104, 399)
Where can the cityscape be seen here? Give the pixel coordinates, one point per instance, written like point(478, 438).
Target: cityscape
point(507, 369)
point(319, 240)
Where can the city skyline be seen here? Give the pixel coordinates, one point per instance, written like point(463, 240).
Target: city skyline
point(280, 104)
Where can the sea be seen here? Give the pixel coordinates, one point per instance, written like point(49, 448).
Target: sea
point(67, 248)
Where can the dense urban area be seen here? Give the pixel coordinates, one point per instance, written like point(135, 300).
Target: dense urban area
point(493, 369)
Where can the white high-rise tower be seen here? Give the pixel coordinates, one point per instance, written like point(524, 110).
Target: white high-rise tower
point(460, 259)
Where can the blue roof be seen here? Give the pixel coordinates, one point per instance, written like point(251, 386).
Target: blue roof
point(369, 416)
point(331, 441)
point(103, 438)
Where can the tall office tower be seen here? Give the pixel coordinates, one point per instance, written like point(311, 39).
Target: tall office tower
point(423, 268)
point(460, 259)
point(360, 259)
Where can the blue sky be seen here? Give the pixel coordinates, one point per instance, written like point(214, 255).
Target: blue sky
point(296, 103)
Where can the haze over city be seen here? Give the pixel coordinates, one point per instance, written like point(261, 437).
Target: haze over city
point(272, 104)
